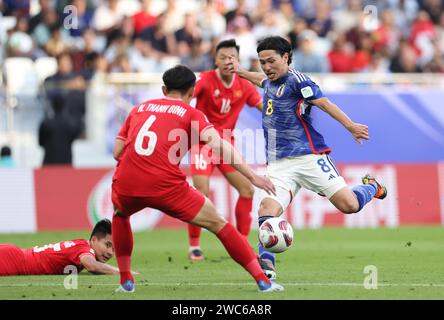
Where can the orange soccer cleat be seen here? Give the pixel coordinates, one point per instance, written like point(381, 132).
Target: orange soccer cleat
point(381, 192)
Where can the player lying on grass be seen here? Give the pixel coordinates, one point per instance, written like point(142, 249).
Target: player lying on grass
point(149, 147)
point(53, 258)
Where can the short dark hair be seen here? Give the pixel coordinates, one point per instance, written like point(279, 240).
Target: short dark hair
point(276, 43)
point(179, 78)
point(101, 229)
point(5, 151)
point(230, 43)
point(90, 58)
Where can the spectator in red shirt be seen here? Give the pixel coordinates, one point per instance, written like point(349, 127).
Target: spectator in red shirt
point(340, 57)
point(144, 19)
point(362, 57)
point(422, 34)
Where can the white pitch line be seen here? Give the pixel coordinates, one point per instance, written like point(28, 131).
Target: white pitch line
point(217, 284)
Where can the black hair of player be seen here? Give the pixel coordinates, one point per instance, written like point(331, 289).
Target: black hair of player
point(101, 229)
point(5, 152)
point(230, 43)
point(278, 44)
point(179, 78)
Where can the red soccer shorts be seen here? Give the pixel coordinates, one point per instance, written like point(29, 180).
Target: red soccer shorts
point(203, 161)
point(182, 202)
point(12, 260)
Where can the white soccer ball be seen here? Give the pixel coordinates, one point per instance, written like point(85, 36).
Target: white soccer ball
point(276, 235)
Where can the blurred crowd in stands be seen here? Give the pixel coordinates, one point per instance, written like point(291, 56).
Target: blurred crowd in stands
point(151, 35)
point(88, 38)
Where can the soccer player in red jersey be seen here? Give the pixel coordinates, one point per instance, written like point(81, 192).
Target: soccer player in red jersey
point(153, 139)
point(53, 258)
point(221, 95)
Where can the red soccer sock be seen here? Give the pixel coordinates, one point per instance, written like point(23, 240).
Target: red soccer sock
point(241, 252)
point(193, 235)
point(243, 215)
point(123, 246)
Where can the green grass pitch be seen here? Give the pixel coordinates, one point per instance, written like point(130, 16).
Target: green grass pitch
point(322, 264)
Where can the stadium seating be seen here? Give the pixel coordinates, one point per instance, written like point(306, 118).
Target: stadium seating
point(21, 77)
point(45, 67)
point(23, 93)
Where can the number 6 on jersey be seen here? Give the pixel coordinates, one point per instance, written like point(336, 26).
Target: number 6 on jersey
point(144, 132)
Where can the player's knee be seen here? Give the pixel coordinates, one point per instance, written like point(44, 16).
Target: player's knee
point(246, 192)
point(270, 207)
point(350, 206)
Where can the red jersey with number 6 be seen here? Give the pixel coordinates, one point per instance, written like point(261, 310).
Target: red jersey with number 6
point(157, 134)
point(222, 104)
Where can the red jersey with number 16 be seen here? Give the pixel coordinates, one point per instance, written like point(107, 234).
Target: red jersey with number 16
point(222, 103)
point(157, 134)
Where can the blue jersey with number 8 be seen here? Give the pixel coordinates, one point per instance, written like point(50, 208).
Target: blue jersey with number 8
point(286, 117)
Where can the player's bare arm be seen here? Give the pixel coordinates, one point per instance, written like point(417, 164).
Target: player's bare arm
point(260, 106)
point(254, 77)
point(118, 148)
point(97, 267)
point(359, 131)
point(212, 138)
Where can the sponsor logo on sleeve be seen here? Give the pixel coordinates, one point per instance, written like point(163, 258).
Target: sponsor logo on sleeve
point(306, 92)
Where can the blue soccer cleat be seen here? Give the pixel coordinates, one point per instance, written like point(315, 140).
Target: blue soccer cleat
point(269, 287)
point(127, 287)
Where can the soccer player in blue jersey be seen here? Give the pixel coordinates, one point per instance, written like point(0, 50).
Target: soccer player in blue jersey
point(297, 155)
